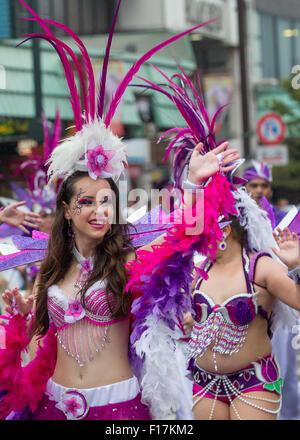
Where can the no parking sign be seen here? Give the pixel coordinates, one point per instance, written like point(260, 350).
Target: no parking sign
point(271, 129)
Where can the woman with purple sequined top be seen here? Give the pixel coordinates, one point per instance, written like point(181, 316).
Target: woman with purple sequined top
point(230, 353)
point(240, 293)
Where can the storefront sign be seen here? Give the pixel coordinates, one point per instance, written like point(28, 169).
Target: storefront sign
point(275, 155)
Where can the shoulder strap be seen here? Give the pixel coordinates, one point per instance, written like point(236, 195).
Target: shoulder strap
point(253, 262)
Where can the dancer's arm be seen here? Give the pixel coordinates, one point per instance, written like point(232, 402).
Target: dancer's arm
point(201, 167)
point(274, 275)
point(13, 216)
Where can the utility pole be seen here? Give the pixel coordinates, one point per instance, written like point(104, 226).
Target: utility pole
point(36, 130)
point(241, 7)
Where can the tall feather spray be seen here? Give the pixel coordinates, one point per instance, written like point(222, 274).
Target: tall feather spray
point(190, 104)
point(90, 116)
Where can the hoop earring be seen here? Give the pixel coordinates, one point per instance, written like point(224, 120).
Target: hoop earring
point(223, 245)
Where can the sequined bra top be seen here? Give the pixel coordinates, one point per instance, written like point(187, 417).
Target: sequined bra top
point(64, 310)
point(225, 324)
point(81, 331)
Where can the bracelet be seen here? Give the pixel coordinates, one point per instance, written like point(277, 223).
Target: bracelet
point(186, 184)
point(294, 274)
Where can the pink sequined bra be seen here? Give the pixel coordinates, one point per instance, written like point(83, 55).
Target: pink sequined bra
point(224, 324)
point(81, 332)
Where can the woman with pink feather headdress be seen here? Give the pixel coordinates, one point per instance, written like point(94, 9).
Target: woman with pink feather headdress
point(82, 299)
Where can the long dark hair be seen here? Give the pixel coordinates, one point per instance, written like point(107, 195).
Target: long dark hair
point(237, 231)
point(109, 260)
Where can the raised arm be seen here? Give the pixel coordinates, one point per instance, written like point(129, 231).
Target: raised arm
point(201, 167)
point(275, 276)
point(18, 218)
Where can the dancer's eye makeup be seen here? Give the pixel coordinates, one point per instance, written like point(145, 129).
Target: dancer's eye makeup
point(85, 201)
point(77, 206)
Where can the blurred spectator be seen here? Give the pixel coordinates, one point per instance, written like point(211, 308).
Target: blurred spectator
point(283, 204)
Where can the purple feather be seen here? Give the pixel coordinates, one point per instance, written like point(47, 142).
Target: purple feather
point(265, 205)
point(22, 194)
point(75, 101)
point(56, 133)
point(295, 225)
point(8, 231)
point(105, 64)
point(86, 59)
point(135, 68)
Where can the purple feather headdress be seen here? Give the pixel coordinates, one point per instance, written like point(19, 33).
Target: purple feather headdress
point(190, 104)
point(259, 170)
point(40, 195)
point(93, 148)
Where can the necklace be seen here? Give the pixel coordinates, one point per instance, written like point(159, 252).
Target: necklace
point(85, 267)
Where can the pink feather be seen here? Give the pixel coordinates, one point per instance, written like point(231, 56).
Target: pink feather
point(136, 66)
point(24, 385)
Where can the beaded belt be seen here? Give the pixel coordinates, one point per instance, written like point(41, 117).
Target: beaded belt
point(263, 372)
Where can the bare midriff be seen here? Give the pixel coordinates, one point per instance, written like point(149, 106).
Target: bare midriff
point(257, 345)
point(109, 365)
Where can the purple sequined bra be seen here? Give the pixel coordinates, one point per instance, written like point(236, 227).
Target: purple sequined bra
point(225, 324)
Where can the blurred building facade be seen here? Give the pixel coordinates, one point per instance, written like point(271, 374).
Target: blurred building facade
point(274, 59)
point(211, 54)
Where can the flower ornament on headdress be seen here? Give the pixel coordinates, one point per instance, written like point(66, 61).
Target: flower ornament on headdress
point(40, 195)
point(94, 148)
point(259, 170)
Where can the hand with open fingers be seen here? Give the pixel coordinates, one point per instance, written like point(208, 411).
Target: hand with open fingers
point(18, 218)
point(288, 244)
point(16, 303)
point(203, 166)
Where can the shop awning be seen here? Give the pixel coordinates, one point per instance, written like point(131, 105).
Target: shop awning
point(17, 99)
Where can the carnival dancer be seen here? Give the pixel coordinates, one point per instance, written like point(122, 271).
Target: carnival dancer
point(259, 185)
point(91, 376)
point(239, 288)
point(82, 369)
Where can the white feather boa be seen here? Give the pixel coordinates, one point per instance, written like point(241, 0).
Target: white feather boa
point(161, 379)
point(67, 156)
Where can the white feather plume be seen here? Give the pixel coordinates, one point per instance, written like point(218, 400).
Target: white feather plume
point(66, 157)
point(161, 380)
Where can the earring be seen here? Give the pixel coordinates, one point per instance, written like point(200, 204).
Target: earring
point(70, 231)
point(223, 244)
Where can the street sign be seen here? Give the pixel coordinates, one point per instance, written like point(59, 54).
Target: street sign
point(271, 129)
point(273, 155)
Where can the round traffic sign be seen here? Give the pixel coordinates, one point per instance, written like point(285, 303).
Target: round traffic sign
point(271, 129)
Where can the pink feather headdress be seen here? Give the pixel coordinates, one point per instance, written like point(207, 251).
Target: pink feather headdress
point(200, 128)
point(94, 148)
